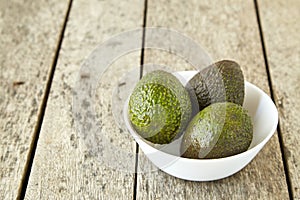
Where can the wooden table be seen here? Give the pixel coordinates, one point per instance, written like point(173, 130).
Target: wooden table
point(42, 46)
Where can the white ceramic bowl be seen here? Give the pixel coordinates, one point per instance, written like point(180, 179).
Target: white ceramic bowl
point(264, 117)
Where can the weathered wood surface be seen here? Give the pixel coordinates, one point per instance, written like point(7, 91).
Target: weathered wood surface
point(226, 29)
point(281, 27)
point(29, 36)
point(63, 168)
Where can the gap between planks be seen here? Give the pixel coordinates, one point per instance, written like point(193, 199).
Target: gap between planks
point(280, 137)
point(141, 75)
point(33, 145)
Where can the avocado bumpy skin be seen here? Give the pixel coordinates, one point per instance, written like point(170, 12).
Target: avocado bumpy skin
point(159, 107)
point(222, 81)
point(219, 130)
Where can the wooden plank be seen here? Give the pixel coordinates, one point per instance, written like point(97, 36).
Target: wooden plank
point(29, 35)
point(63, 167)
point(227, 29)
point(280, 25)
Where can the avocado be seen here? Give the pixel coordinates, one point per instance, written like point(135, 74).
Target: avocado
point(220, 82)
point(219, 130)
point(159, 107)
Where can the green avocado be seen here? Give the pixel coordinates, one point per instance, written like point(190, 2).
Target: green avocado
point(220, 82)
point(159, 107)
point(219, 130)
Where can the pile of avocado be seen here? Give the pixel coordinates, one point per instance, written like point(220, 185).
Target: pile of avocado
point(160, 110)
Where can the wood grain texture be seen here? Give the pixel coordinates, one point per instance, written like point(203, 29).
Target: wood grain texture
point(29, 35)
point(63, 167)
point(280, 24)
point(227, 29)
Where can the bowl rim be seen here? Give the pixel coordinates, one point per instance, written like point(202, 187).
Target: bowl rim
point(248, 152)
